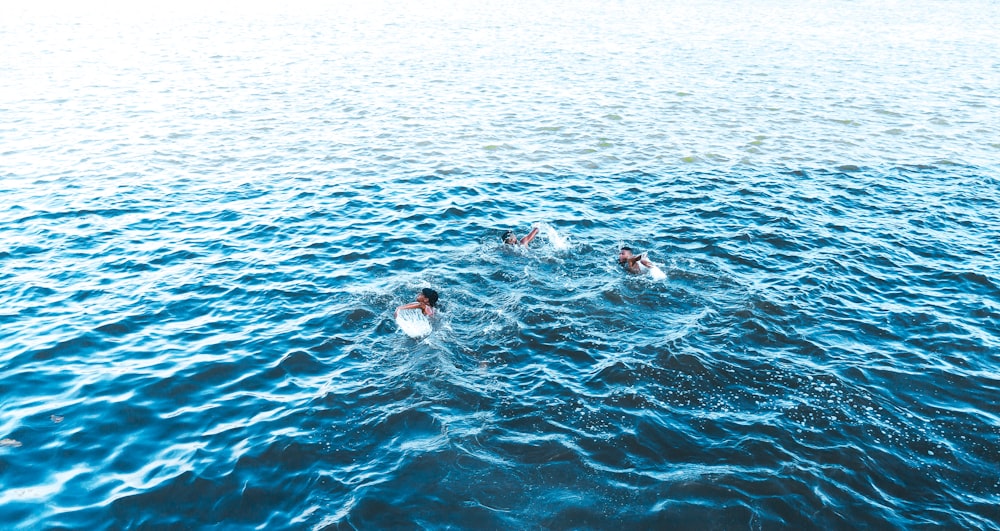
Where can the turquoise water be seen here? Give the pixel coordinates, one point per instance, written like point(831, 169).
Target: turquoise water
point(209, 214)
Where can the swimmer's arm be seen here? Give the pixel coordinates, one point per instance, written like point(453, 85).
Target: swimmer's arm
point(531, 236)
point(645, 261)
point(408, 306)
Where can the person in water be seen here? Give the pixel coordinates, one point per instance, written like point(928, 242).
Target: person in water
point(631, 262)
point(426, 301)
point(510, 238)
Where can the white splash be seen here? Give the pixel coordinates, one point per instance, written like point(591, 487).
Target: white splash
point(553, 236)
point(413, 323)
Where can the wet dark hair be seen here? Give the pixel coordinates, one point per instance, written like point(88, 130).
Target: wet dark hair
point(626, 248)
point(432, 296)
point(506, 234)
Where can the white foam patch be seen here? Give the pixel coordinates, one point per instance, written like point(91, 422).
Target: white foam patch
point(654, 270)
point(656, 273)
point(413, 323)
point(553, 236)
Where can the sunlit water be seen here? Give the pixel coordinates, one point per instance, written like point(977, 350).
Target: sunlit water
point(210, 212)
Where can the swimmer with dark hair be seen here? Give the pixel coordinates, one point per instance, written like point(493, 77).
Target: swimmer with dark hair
point(426, 301)
point(510, 238)
point(631, 262)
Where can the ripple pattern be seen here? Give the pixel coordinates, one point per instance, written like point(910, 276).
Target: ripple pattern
point(208, 217)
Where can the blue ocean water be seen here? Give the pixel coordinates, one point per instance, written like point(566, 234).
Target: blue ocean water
point(209, 213)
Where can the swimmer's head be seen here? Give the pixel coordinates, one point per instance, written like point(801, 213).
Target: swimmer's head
point(624, 254)
point(430, 295)
point(509, 237)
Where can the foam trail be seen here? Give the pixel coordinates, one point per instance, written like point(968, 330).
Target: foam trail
point(550, 233)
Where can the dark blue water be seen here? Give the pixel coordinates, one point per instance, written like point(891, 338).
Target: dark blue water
point(208, 217)
point(822, 354)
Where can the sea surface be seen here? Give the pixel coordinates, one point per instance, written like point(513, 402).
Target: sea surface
point(210, 210)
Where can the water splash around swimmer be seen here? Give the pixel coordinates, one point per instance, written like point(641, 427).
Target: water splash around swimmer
point(556, 239)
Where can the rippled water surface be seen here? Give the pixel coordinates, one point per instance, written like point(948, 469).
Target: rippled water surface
point(209, 214)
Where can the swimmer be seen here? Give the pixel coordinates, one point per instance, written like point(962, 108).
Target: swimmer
point(510, 238)
point(631, 261)
point(426, 301)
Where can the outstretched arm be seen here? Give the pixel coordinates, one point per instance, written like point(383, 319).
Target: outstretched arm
point(531, 236)
point(408, 306)
point(639, 259)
